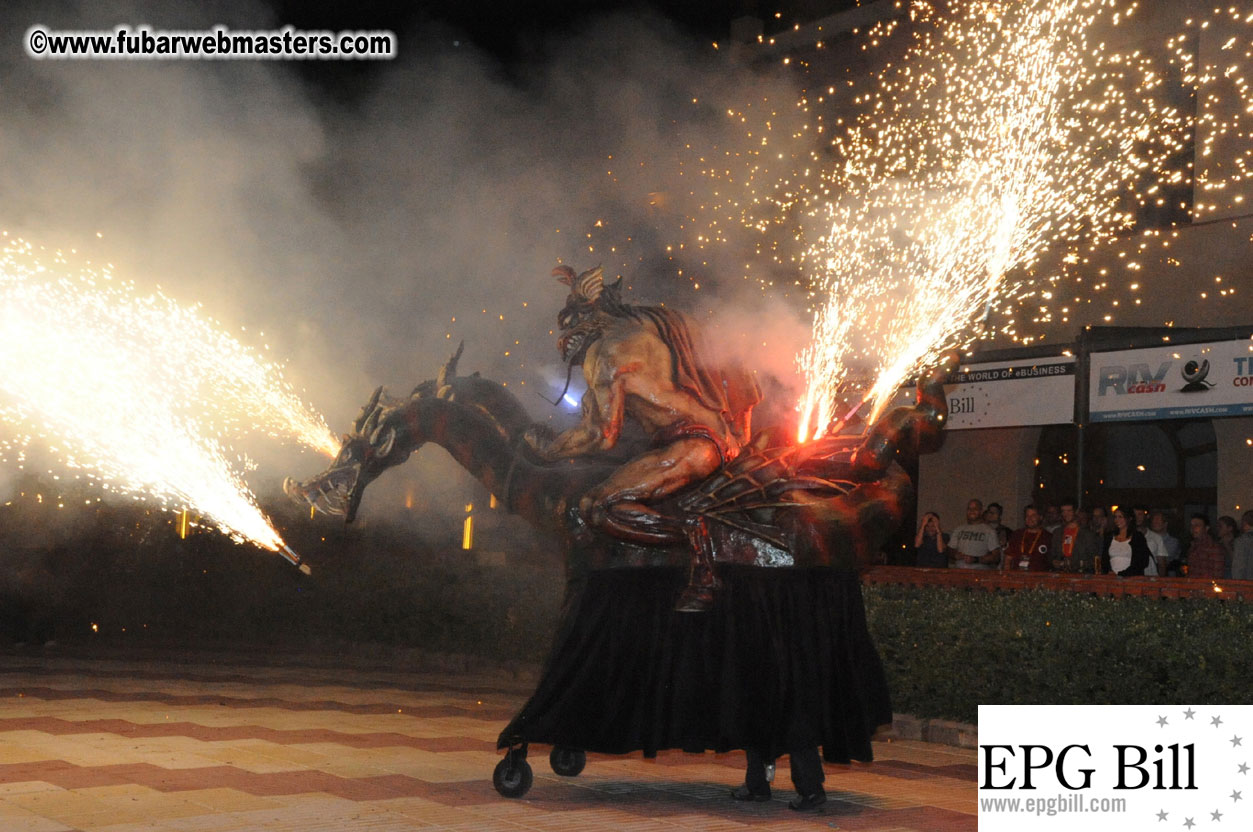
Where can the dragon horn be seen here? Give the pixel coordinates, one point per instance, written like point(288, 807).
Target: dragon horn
point(371, 422)
point(591, 283)
point(368, 409)
point(564, 274)
point(449, 370)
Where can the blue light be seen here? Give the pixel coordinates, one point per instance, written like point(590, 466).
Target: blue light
point(571, 400)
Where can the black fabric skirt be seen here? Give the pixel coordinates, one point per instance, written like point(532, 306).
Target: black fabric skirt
point(784, 661)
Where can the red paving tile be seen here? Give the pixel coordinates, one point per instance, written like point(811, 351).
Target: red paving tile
point(69, 776)
point(285, 675)
point(121, 727)
point(426, 712)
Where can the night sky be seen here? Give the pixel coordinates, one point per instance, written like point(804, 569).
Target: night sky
point(516, 33)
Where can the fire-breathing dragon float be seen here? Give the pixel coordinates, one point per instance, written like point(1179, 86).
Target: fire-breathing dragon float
point(712, 594)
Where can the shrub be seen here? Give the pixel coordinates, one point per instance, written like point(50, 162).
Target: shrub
point(948, 650)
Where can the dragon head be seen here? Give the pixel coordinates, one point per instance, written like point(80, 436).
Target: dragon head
point(363, 455)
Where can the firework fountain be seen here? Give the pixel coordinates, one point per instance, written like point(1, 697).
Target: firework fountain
point(138, 392)
point(1007, 131)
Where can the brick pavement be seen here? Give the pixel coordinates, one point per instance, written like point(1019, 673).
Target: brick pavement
point(112, 745)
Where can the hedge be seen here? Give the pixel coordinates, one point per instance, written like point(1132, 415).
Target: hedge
point(947, 650)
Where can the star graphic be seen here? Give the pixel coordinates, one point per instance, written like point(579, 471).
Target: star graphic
point(1216, 815)
point(1216, 721)
point(1189, 823)
point(1188, 714)
point(1161, 722)
point(1235, 795)
point(1234, 741)
point(1244, 768)
point(1161, 816)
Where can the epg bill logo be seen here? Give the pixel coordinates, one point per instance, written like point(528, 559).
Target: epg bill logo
point(1132, 766)
point(1104, 767)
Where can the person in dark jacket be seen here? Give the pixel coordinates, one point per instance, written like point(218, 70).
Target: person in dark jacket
point(1126, 552)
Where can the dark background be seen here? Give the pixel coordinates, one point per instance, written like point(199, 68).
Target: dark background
point(512, 31)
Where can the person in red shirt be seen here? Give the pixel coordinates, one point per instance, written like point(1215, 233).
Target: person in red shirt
point(1205, 555)
point(1028, 548)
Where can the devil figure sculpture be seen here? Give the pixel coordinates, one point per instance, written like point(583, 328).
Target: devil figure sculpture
point(718, 612)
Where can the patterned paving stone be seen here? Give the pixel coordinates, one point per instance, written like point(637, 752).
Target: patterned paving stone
point(178, 746)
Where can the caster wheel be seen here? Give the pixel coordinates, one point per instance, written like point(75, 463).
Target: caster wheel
point(512, 778)
point(568, 762)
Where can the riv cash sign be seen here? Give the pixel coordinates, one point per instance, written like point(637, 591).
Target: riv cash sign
point(1180, 381)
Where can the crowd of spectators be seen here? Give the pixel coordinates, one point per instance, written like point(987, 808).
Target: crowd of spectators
point(1098, 540)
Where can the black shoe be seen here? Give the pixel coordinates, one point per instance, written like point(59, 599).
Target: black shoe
point(807, 802)
point(746, 794)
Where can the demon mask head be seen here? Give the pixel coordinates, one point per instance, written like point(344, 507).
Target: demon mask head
point(578, 319)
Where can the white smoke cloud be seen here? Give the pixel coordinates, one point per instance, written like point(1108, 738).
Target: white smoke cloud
point(353, 229)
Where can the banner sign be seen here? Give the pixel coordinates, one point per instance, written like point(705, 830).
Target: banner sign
point(1039, 391)
point(1092, 768)
point(1172, 382)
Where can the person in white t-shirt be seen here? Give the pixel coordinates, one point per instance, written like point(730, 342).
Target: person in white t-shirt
point(974, 545)
point(1157, 546)
point(1170, 543)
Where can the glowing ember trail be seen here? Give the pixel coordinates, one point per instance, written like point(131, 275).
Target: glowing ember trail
point(133, 390)
point(1003, 133)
